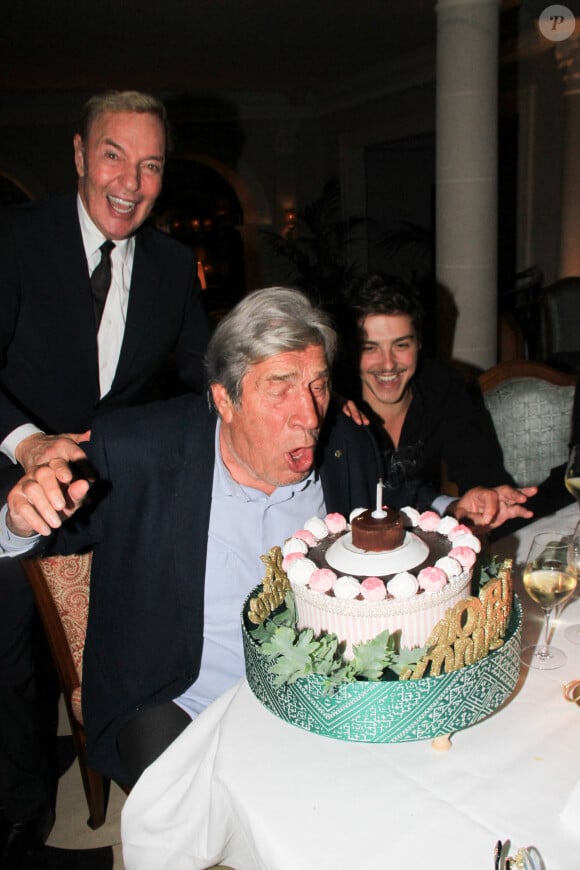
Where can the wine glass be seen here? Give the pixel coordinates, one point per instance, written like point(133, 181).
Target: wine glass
point(549, 579)
point(572, 633)
point(572, 481)
point(572, 473)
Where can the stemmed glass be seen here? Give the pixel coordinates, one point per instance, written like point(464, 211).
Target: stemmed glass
point(572, 633)
point(572, 473)
point(549, 579)
point(572, 481)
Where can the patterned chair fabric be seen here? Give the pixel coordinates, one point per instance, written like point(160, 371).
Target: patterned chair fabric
point(68, 579)
point(532, 418)
point(61, 590)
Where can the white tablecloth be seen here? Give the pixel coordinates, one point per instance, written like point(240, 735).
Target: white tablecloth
point(243, 788)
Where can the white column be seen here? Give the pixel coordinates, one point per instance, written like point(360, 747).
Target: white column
point(568, 57)
point(466, 173)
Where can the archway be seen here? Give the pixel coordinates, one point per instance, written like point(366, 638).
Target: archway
point(218, 211)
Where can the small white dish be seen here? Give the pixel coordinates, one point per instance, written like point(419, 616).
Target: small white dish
point(348, 559)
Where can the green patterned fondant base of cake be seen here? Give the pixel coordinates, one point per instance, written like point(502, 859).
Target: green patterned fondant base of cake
point(392, 712)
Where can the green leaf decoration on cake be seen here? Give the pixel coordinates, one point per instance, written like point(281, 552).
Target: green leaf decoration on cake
point(408, 658)
point(487, 567)
point(371, 657)
point(293, 652)
point(296, 654)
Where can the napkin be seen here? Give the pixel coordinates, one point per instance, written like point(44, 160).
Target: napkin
point(571, 812)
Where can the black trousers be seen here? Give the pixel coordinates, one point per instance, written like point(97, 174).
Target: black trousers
point(146, 735)
point(27, 728)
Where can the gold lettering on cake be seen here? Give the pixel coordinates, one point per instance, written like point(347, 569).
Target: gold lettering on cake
point(275, 584)
point(469, 630)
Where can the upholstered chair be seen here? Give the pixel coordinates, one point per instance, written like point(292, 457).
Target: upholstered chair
point(531, 408)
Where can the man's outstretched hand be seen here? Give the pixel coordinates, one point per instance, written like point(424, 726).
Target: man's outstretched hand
point(492, 507)
point(51, 490)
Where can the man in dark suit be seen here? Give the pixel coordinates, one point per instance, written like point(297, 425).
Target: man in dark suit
point(58, 365)
point(69, 351)
point(188, 503)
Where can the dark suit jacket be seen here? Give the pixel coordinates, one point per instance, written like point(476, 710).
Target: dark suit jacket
point(149, 532)
point(48, 343)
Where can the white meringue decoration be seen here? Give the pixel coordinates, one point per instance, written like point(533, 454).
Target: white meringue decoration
point(317, 527)
point(450, 565)
point(446, 524)
point(346, 587)
point(294, 545)
point(403, 585)
point(467, 540)
point(412, 515)
point(300, 571)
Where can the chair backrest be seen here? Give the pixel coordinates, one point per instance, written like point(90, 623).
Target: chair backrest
point(560, 315)
point(531, 408)
point(61, 590)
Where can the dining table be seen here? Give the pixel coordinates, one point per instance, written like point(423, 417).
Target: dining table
point(243, 788)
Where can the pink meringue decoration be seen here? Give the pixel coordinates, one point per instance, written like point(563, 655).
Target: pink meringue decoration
point(300, 571)
point(373, 589)
point(291, 557)
point(459, 529)
point(403, 585)
point(306, 536)
point(322, 580)
point(428, 521)
point(464, 555)
point(335, 523)
point(432, 579)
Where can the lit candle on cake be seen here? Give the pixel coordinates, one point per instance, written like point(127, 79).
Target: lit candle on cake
point(379, 513)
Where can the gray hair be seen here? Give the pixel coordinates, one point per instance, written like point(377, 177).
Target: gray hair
point(122, 101)
point(267, 322)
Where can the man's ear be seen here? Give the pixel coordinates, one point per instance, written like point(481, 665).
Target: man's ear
point(222, 401)
point(79, 150)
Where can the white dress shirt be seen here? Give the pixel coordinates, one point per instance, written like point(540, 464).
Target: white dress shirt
point(244, 522)
point(112, 328)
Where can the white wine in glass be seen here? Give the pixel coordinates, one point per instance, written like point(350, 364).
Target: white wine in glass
point(549, 579)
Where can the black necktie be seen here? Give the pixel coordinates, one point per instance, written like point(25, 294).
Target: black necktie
point(101, 280)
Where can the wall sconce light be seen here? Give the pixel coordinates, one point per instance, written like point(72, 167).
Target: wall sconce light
point(290, 218)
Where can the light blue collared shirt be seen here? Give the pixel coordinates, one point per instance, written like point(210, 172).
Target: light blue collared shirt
point(244, 523)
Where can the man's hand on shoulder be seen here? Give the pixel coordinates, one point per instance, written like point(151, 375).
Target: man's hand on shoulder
point(351, 410)
point(40, 449)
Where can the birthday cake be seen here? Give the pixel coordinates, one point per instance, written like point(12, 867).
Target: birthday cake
point(410, 570)
point(330, 682)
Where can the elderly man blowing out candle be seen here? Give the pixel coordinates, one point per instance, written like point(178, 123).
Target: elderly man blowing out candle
point(185, 500)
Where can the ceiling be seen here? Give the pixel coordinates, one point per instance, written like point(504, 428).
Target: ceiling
point(294, 47)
